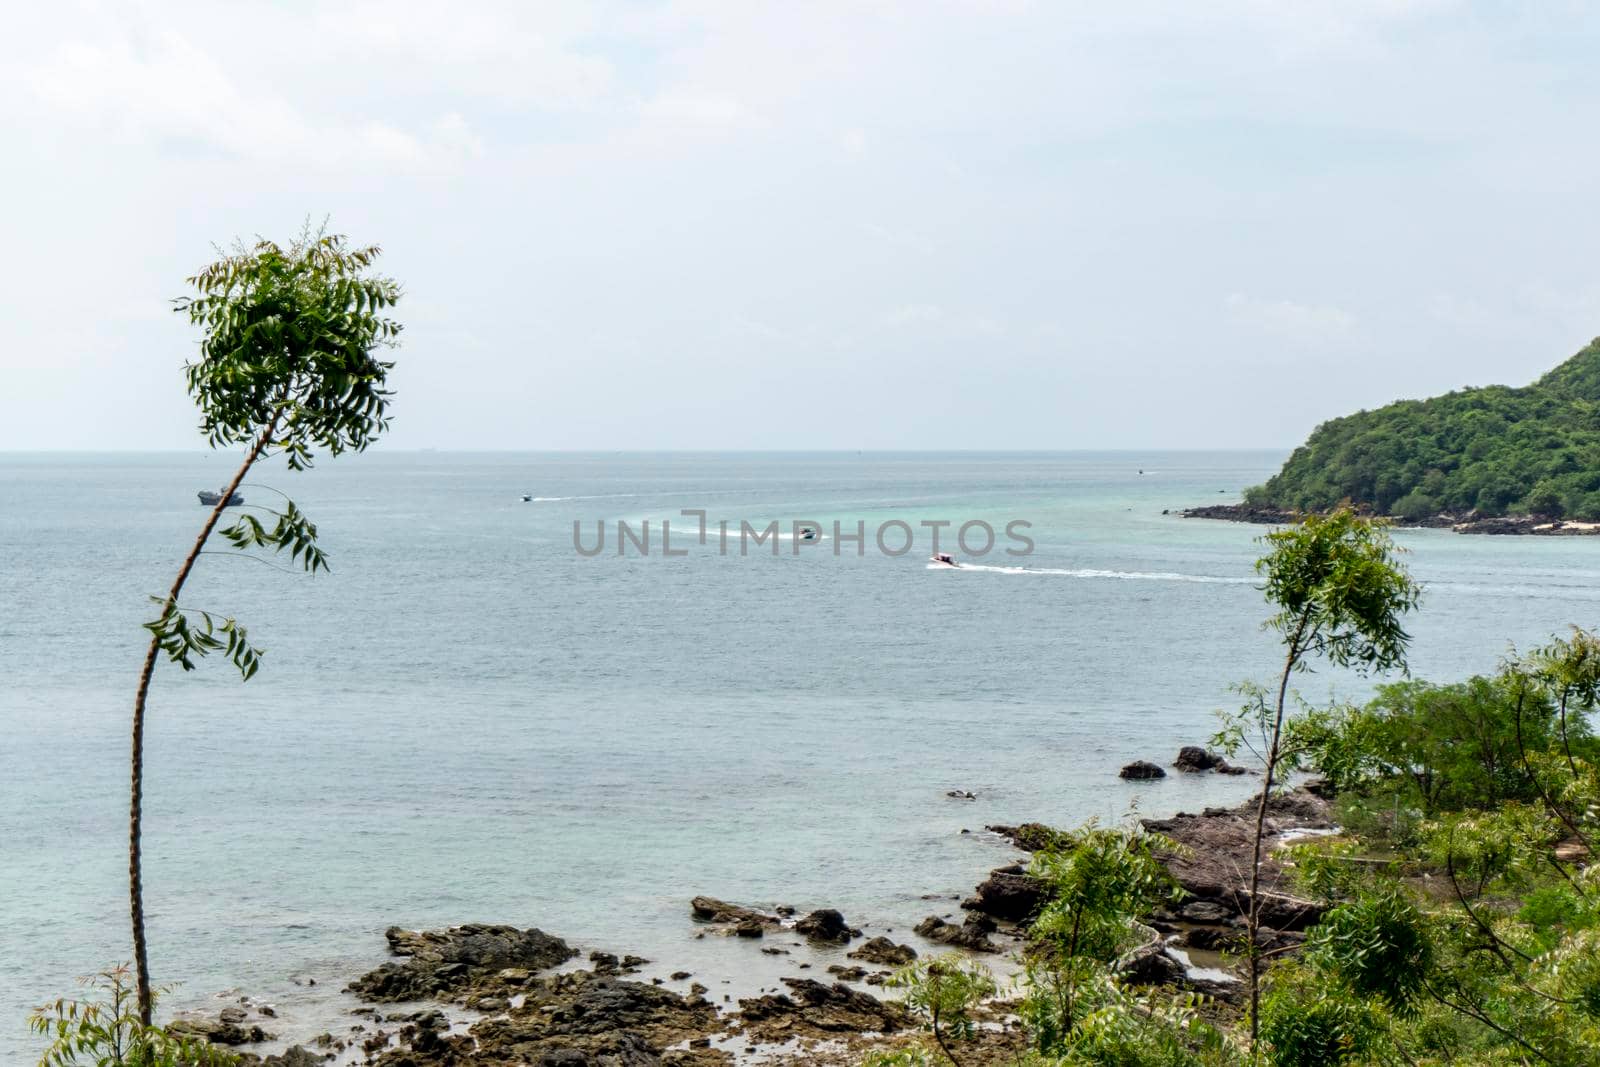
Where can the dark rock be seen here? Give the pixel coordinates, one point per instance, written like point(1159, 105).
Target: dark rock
point(712, 910)
point(811, 1005)
point(881, 950)
point(444, 961)
point(1207, 911)
point(973, 934)
point(1193, 758)
point(1211, 938)
point(1009, 894)
point(1256, 513)
point(1030, 836)
point(847, 974)
point(219, 1032)
point(824, 924)
point(1216, 846)
point(1141, 770)
point(750, 928)
point(1150, 965)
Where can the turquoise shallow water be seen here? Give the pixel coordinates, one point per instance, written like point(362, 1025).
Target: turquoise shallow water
point(468, 720)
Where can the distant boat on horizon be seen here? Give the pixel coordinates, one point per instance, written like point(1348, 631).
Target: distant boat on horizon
point(209, 498)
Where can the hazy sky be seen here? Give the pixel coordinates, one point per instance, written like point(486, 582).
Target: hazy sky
point(817, 225)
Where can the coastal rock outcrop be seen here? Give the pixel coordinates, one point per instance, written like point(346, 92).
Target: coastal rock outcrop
point(1140, 770)
point(886, 953)
point(972, 934)
point(1009, 894)
point(826, 925)
point(229, 1028)
point(1030, 836)
point(1216, 855)
point(812, 1006)
point(720, 912)
point(1193, 758)
point(442, 962)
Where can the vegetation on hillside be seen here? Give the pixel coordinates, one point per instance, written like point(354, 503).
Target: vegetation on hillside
point(1460, 907)
point(1492, 451)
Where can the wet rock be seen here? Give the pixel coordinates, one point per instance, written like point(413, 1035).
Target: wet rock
point(582, 1018)
point(1150, 965)
point(847, 974)
point(882, 951)
point(294, 1056)
point(221, 1032)
point(1009, 894)
point(1140, 770)
point(1193, 758)
point(972, 934)
point(1030, 836)
point(1210, 938)
point(445, 961)
point(815, 1007)
point(1206, 911)
point(826, 925)
point(712, 910)
point(1217, 844)
point(750, 928)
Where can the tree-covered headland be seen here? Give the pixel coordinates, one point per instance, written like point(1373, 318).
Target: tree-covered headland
point(1472, 453)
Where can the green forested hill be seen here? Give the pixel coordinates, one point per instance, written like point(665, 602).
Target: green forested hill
point(1494, 451)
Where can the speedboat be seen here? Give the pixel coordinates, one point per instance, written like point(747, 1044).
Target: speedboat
point(210, 499)
point(527, 498)
point(808, 533)
point(944, 558)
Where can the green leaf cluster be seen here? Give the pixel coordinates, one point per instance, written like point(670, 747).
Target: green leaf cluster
point(184, 641)
point(103, 1030)
point(293, 531)
point(289, 342)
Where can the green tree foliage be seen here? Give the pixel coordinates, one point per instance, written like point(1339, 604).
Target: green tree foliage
point(103, 1030)
point(1077, 1006)
point(288, 366)
point(942, 993)
point(1495, 450)
point(1340, 592)
point(1478, 940)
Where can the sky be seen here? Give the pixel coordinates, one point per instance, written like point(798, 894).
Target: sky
point(931, 224)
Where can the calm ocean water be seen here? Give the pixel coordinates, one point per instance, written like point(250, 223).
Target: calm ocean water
point(467, 721)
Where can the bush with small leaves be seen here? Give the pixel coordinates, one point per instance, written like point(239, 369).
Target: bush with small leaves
point(103, 1030)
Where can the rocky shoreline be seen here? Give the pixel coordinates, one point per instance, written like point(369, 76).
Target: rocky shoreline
point(1468, 523)
point(482, 994)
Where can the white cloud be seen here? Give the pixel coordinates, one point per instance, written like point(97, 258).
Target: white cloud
point(913, 315)
point(169, 90)
point(1288, 319)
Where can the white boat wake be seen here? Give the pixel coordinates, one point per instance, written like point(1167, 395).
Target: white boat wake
point(1086, 572)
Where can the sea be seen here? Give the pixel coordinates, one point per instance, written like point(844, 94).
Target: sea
point(475, 717)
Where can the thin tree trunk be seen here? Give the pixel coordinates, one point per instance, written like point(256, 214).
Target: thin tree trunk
point(141, 958)
point(1254, 913)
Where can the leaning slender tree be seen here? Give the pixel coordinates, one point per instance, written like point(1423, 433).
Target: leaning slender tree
point(288, 366)
point(1340, 593)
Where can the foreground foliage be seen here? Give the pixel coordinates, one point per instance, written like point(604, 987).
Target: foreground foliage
point(104, 1030)
point(288, 366)
point(1461, 920)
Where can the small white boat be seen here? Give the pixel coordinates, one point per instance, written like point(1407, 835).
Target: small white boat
point(527, 498)
point(209, 499)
